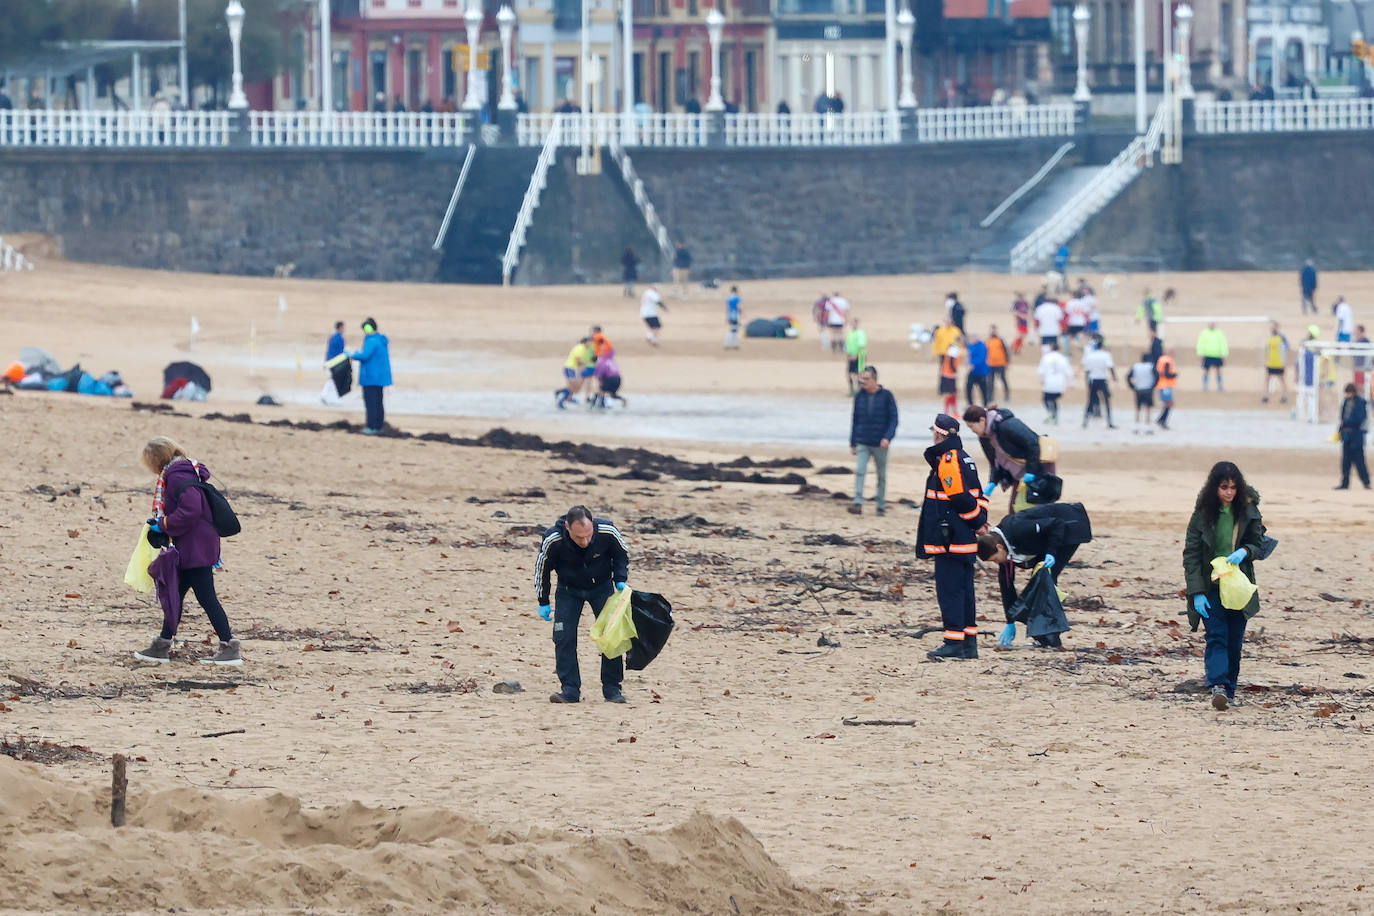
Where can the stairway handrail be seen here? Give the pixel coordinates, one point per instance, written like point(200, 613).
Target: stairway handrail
point(641, 198)
point(537, 183)
point(1026, 188)
point(1092, 197)
point(453, 201)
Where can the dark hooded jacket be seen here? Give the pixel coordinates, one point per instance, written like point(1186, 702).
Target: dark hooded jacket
point(955, 507)
point(1200, 548)
point(604, 560)
point(1012, 447)
point(1049, 529)
point(187, 515)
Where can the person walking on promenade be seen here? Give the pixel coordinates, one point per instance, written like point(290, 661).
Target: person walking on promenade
point(1056, 374)
point(1226, 523)
point(1212, 347)
point(872, 426)
point(1275, 363)
point(998, 360)
point(592, 561)
point(682, 269)
point(374, 374)
point(1097, 365)
point(182, 518)
point(953, 511)
point(1307, 282)
point(1012, 449)
point(1353, 427)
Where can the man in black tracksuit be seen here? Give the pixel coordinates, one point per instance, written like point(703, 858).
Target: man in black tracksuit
point(951, 514)
point(592, 561)
point(1050, 533)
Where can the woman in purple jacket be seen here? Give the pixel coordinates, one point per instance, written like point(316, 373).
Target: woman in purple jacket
point(181, 512)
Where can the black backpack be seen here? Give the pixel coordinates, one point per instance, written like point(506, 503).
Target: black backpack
point(221, 513)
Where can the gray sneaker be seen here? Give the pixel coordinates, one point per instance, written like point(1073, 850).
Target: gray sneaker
point(228, 654)
point(1219, 700)
point(160, 652)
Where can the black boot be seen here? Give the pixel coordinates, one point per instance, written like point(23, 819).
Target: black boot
point(952, 649)
point(971, 645)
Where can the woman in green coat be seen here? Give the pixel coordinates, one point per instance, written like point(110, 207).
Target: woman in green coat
point(1226, 523)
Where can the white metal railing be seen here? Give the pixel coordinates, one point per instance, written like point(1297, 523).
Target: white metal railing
point(939, 125)
point(603, 127)
point(53, 127)
point(409, 129)
point(1026, 188)
point(1096, 194)
point(641, 198)
point(11, 259)
point(1295, 115)
point(453, 200)
point(859, 128)
point(527, 207)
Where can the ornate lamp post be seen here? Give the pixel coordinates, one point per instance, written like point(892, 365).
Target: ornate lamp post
point(1184, 27)
point(472, 19)
point(505, 21)
point(906, 27)
point(1081, 18)
point(233, 14)
point(715, 23)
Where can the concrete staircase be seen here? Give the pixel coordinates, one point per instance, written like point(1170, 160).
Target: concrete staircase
point(1060, 189)
point(486, 214)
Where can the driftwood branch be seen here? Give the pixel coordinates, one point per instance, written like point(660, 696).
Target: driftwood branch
point(852, 721)
point(119, 789)
point(232, 731)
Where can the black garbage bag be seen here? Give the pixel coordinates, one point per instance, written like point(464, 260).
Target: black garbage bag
point(342, 373)
point(1038, 607)
point(653, 617)
point(1045, 488)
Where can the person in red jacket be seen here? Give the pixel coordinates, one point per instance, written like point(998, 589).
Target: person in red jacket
point(953, 511)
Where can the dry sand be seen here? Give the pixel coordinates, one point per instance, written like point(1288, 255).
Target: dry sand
point(382, 587)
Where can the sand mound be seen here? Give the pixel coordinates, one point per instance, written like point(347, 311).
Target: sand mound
point(35, 246)
point(187, 849)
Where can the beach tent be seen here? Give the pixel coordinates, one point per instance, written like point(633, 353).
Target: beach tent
point(767, 327)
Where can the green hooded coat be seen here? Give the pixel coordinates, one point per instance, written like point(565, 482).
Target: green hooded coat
point(1199, 549)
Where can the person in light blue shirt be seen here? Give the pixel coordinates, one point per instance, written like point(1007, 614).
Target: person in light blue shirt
point(374, 374)
point(732, 319)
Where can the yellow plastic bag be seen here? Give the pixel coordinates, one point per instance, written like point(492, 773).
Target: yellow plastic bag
point(615, 625)
point(136, 576)
point(1236, 590)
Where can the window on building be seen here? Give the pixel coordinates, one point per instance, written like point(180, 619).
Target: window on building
point(1061, 31)
point(1228, 26)
point(1109, 33)
point(564, 87)
point(1127, 20)
point(693, 74)
point(532, 85)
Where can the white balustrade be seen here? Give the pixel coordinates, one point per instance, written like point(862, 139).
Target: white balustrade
point(1284, 116)
point(1002, 122)
point(538, 180)
point(863, 128)
point(87, 128)
point(12, 259)
point(356, 129)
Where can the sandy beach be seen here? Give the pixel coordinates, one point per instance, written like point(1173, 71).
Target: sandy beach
point(383, 586)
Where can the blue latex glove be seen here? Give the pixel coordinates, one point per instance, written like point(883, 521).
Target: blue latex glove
point(1238, 557)
point(1008, 635)
point(620, 586)
point(1049, 561)
point(1027, 478)
point(1200, 605)
point(154, 524)
point(546, 611)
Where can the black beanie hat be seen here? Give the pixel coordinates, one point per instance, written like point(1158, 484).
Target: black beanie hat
point(372, 322)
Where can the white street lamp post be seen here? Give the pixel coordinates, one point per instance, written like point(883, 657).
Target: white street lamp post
point(1081, 17)
point(233, 14)
point(906, 25)
point(1185, 27)
point(1140, 89)
point(715, 23)
point(472, 19)
point(505, 21)
point(627, 41)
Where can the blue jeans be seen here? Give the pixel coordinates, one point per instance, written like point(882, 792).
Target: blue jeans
point(879, 455)
point(1225, 639)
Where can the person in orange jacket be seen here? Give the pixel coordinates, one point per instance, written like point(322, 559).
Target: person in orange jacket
point(998, 360)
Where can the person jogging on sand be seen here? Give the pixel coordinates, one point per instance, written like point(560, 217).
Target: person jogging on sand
point(182, 514)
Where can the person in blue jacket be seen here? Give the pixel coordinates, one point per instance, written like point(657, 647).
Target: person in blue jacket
point(871, 429)
point(374, 374)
